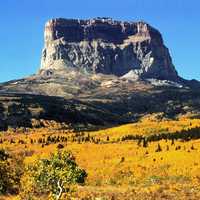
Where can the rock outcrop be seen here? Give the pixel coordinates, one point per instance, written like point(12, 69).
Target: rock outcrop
point(103, 45)
point(87, 78)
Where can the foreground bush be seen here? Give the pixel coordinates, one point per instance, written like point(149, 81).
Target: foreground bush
point(54, 176)
point(11, 169)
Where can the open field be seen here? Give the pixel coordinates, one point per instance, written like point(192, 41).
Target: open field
point(117, 169)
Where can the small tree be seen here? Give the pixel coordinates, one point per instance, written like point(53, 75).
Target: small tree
point(139, 142)
point(4, 172)
point(158, 148)
point(55, 175)
point(145, 143)
point(108, 138)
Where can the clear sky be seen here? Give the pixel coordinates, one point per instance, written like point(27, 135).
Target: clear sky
point(22, 23)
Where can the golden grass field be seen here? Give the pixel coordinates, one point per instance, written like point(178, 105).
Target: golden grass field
point(122, 169)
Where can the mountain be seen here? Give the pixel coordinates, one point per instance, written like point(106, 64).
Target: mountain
point(99, 72)
point(106, 46)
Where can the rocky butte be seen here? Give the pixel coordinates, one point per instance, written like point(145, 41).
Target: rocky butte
point(99, 72)
point(106, 46)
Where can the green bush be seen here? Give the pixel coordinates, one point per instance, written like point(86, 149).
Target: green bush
point(54, 176)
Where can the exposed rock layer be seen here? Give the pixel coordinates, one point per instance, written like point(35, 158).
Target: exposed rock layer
point(125, 51)
point(105, 46)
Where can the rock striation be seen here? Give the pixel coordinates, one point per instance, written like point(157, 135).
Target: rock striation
point(106, 46)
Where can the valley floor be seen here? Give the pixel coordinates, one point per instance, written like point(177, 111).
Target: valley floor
point(121, 169)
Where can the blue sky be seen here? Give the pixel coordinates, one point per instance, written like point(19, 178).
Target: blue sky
point(22, 23)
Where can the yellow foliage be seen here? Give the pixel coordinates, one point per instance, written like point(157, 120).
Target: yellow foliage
point(112, 163)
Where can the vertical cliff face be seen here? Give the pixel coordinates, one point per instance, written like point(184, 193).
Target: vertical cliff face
point(105, 46)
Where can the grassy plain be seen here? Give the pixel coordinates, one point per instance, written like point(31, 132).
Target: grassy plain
point(164, 169)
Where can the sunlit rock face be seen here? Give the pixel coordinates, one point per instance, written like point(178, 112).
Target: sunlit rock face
point(103, 45)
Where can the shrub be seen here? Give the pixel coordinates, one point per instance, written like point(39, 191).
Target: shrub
point(60, 146)
point(11, 169)
point(54, 176)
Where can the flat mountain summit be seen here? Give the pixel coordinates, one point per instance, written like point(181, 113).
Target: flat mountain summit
point(99, 72)
point(105, 46)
